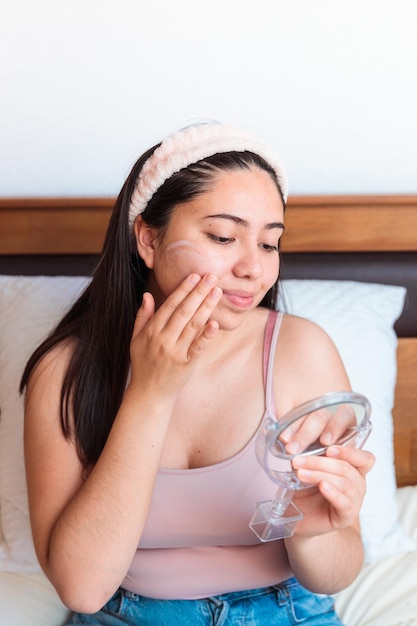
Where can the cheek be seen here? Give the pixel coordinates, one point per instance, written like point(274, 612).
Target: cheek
point(271, 272)
point(186, 257)
point(275, 270)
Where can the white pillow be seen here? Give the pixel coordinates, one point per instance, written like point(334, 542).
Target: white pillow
point(29, 308)
point(359, 317)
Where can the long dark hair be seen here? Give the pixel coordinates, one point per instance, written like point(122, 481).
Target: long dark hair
point(101, 321)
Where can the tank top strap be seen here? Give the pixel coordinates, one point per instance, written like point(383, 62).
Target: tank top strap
point(272, 328)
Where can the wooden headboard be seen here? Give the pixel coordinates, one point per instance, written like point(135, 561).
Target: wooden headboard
point(370, 238)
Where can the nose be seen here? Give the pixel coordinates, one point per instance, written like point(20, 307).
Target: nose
point(249, 264)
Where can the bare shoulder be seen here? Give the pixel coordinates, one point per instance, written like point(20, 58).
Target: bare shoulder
point(304, 332)
point(43, 396)
point(308, 360)
point(53, 364)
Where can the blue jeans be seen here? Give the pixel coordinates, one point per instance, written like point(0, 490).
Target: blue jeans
point(285, 604)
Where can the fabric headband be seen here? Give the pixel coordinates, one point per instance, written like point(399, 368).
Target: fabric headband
point(193, 144)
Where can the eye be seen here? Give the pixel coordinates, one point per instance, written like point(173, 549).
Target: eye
point(220, 240)
point(268, 247)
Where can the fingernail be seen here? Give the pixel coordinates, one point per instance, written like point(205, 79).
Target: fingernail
point(216, 293)
point(286, 435)
point(333, 451)
point(298, 461)
point(193, 279)
point(210, 280)
point(304, 474)
point(327, 439)
point(293, 447)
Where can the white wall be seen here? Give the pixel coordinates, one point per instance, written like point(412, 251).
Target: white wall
point(87, 85)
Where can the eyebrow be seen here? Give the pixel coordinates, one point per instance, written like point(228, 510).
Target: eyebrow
point(245, 223)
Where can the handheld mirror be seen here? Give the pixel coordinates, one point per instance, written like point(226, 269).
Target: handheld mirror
point(303, 431)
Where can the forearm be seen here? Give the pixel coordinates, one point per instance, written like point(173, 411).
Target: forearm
point(326, 563)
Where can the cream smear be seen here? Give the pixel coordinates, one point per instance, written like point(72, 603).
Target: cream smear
point(188, 257)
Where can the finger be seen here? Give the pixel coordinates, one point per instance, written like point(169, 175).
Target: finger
point(192, 303)
point(196, 328)
point(200, 343)
point(308, 431)
point(340, 424)
point(362, 460)
point(290, 432)
point(314, 473)
point(144, 313)
point(182, 304)
point(344, 505)
point(345, 497)
point(341, 491)
point(338, 462)
point(188, 321)
point(319, 428)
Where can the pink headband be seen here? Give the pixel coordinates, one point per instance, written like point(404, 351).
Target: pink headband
point(193, 144)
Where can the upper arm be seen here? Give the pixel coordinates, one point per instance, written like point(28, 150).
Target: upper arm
point(308, 363)
point(53, 469)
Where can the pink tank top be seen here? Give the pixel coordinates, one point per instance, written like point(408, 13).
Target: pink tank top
point(197, 541)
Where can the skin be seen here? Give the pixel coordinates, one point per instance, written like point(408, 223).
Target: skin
point(197, 338)
point(184, 254)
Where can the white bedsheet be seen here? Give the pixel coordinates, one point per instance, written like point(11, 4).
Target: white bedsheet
point(29, 600)
point(384, 594)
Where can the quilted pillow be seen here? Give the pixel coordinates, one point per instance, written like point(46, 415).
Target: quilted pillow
point(30, 307)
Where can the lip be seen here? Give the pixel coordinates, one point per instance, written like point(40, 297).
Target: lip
point(239, 298)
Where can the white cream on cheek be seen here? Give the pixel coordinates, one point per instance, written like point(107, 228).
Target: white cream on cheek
point(188, 257)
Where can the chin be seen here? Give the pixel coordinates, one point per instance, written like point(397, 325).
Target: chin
point(230, 320)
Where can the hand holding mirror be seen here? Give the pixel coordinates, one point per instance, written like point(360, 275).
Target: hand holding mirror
point(340, 418)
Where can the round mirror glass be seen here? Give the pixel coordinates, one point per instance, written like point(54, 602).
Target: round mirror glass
point(341, 418)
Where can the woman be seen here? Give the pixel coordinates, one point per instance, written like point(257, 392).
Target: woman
point(143, 406)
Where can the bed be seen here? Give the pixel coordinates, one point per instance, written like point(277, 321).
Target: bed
point(348, 262)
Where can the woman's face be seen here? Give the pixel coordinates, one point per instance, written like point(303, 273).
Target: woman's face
point(231, 231)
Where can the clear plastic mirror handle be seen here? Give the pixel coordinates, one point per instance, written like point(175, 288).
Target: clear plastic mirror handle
point(276, 519)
